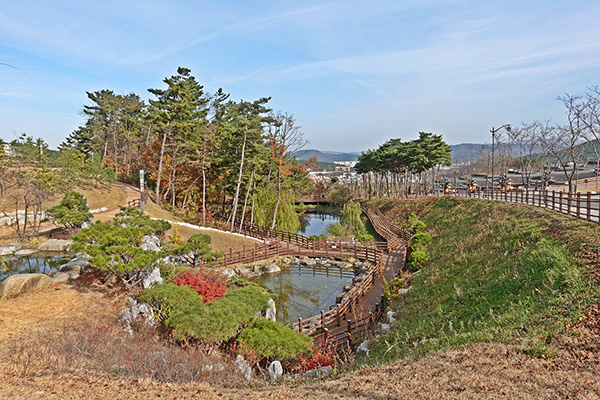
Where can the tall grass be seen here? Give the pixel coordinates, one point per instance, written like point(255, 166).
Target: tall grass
point(496, 272)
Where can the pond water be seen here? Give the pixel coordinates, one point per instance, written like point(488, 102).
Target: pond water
point(304, 291)
point(316, 223)
point(38, 263)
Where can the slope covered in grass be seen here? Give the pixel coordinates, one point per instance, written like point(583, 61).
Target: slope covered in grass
point(497, 271)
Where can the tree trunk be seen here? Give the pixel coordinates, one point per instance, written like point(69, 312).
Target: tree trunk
point(278, 199)
point(246, 200)
point(203, 194)
point(239, 183)
point(160, 164)
point(252, 212)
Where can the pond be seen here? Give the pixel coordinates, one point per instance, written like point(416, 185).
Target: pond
point(38, 263)
point(304, 291)
point(316, 223)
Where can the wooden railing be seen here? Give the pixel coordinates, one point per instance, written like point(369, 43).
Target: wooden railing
point(349, 331)
point(394, 235)
point(333, 324)
point(135, 203)
point(582, 205)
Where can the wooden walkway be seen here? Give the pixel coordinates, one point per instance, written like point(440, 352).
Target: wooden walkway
point(350, 321)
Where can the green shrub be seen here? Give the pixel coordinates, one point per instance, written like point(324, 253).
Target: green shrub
point(414, 224)
point(196, 249)
point(271, 340)
point(168, 297)
point(72, 211)
point(115, 246)
point(419, 241)
point(416, 260)
point(132, 217)
point(390, 289)
point(220, 320)
point(364, 237)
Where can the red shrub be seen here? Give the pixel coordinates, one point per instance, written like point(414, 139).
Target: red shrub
point(323, 356)
point(209, 285)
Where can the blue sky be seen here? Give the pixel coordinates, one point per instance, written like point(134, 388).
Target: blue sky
point(353, 73)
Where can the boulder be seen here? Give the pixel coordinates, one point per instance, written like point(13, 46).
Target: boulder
point(18, 284)
point(134, 311)
point(25, 252)
point(151, 277)
point(345, 265)
point(243, 367)
point(56, 245)
point(245, 271)
point(151, 239)
point(61, 277)
point(310, 262)
point(317, 371)
point(363, 349)
point(9, 249)
point(271, 311)
point(404, 291)
point(390, 317)
point(339, 298)
point(75, 265)
point(4, 221)
point(272, 269)
point(150, 242)
point(275, 370)
point(286, 261)
point(150, 246)
point(385, 328)
point(228, 273)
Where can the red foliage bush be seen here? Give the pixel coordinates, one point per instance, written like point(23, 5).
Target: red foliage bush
point(210, 285)
point(323, 356)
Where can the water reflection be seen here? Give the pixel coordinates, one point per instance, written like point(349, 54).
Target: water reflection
point(316, 223)
point(39, 263)
point(304, 291)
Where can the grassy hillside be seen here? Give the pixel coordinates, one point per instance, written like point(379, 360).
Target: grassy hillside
point(497, 272)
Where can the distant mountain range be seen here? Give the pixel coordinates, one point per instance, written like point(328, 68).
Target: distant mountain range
point(461, 153)
point(326, 156)
point(464, 152)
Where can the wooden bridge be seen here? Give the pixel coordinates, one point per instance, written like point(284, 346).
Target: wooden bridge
point(350, 320)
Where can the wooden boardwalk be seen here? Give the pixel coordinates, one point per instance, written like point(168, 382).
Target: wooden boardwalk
point(349, 321)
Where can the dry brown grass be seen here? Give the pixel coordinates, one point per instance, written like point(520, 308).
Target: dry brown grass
point(52, 307)
point(221, 241)
point(111, 197)
point(103, 196)
point(477, 372)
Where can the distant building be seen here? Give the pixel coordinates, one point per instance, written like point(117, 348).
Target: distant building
point(5, 148)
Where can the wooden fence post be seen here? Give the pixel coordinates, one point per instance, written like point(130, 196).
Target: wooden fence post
point(323, 320)
point(560, 198)
point(578, 204)
point(589, 206)
point(300, 325)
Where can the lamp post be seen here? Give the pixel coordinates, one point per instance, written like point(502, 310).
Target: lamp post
point(494, 130)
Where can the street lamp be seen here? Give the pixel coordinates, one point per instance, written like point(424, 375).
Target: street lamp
point(494, 130)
